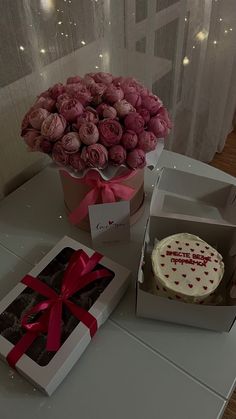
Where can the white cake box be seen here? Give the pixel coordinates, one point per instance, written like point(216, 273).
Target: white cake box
point(184, 195)
point(49, 376)
point(169, 215)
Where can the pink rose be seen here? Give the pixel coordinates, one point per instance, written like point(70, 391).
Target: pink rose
point(37, 116)
point(83, 95)
point(134, 98)
point(71, 142)
point(147, 141)
point(134, 122)
point(152, 104)
point(33, 139)
point(129, 140)
point(100, 108)
point(89, 115)
point(109, 112)
point(56, 90)
point(74, 79)
point(113, 94)
point(130, 85)
point(145, 114)
point(77, 162)
point(88, 80)
point(136, 159)
point(72, 88)
point(97, 89)
point(59, 155)
point(117, 155)
point(46, 146)
point(123, 108)
point(61, 99)
point(105, 78)
point(95, 155)
point(53, 127)
point(110, 132)
point(160, 124)
point(71, 109)
point(88, 133)
point(45, 103)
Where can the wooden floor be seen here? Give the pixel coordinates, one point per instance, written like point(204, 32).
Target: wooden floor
point(226, 161)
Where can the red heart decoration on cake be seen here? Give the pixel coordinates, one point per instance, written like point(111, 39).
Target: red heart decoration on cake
point(179, 248)
point(177, 282)
point(215, 260)
point(110, 222)
point(206, 273)
point(212, 254)
point(192, 250)
point(184, 275)
point(207, 247)
point(193, 269)
point(197, 244)
point(198, 279)
point(211, 280)
point(202, 251)
point(162, 264)
point(190, 285)
point(204, 287)
point(187, 244)
point(169, 247)
point(215, 269)
point(167, 276)
point(177, 242)
point(174, 269)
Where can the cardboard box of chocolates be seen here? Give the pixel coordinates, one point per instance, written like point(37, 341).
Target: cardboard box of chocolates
point(206, 208)
point(49, 318)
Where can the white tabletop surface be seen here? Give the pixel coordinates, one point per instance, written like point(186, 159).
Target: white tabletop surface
point(142, 368)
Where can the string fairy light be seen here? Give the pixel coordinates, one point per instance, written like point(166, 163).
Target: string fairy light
point(100, 55)
point(42, 51)
point(83, 42)
point(22, 48)
point(186, 61)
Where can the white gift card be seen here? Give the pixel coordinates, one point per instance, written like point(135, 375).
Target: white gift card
point(110, 222)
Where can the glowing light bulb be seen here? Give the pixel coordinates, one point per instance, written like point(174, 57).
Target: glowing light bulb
point(194, 47)
point(202, 35)
point(226, 31)
point(220, 19)
point(60, 22)
point(66, 35)
point(83, 42)
point(185, 19)
point(22, 48)
point(62, 33)
point(42, 51)
point(231, 29)
point(100, 55)
point(186, 61)
point(215, 42)
point(96, 66)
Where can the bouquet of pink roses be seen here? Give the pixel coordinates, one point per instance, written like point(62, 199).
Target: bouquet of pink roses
point(96, 121)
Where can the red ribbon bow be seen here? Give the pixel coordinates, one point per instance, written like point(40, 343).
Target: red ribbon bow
point(109, 191)
point(78, 274)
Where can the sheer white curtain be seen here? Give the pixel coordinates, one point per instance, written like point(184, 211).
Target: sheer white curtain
point(183, 49)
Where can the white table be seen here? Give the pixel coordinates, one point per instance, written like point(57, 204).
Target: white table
point(134, 368)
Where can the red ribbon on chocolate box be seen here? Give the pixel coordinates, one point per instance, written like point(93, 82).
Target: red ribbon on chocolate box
point(78, 274)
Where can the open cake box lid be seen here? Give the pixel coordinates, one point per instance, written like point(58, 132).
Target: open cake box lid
point(184, 195)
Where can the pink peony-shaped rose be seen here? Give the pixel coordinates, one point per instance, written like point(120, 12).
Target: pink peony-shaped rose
point(129, 140)
point(134, 98)
point(147, 141)
point(130, 85)
point(71, 109)
point(102, 77)
point(110, 132)
point(45, 103)
point(100, 108)
point(160, 124)
point(88, 80)
point(109, 112)
point(71, 142)
point(46, 146)
point(37, 116)
point(117, 155)
point(88, 133)
point(136, 159)
point(53, 127)
point(134, 122)
point(56, 90)
point(74, 79)
point(31, 138)
point(61, 99)
point(145, 114)
point(113, 94)
point(83, 95)
point(95, 155)
point(152, 104)
point(97, 89)
point(123, 108)
point(77, 162)
point(72, 88)
point(89, 115)
point(59, 155)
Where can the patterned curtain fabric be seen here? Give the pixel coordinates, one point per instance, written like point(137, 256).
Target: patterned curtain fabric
point(184, 50)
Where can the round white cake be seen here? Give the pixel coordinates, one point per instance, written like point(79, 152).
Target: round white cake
point(186, 268)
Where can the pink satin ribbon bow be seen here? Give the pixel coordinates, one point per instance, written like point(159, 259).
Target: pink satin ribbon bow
point(108, 190)
point(78, 274)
